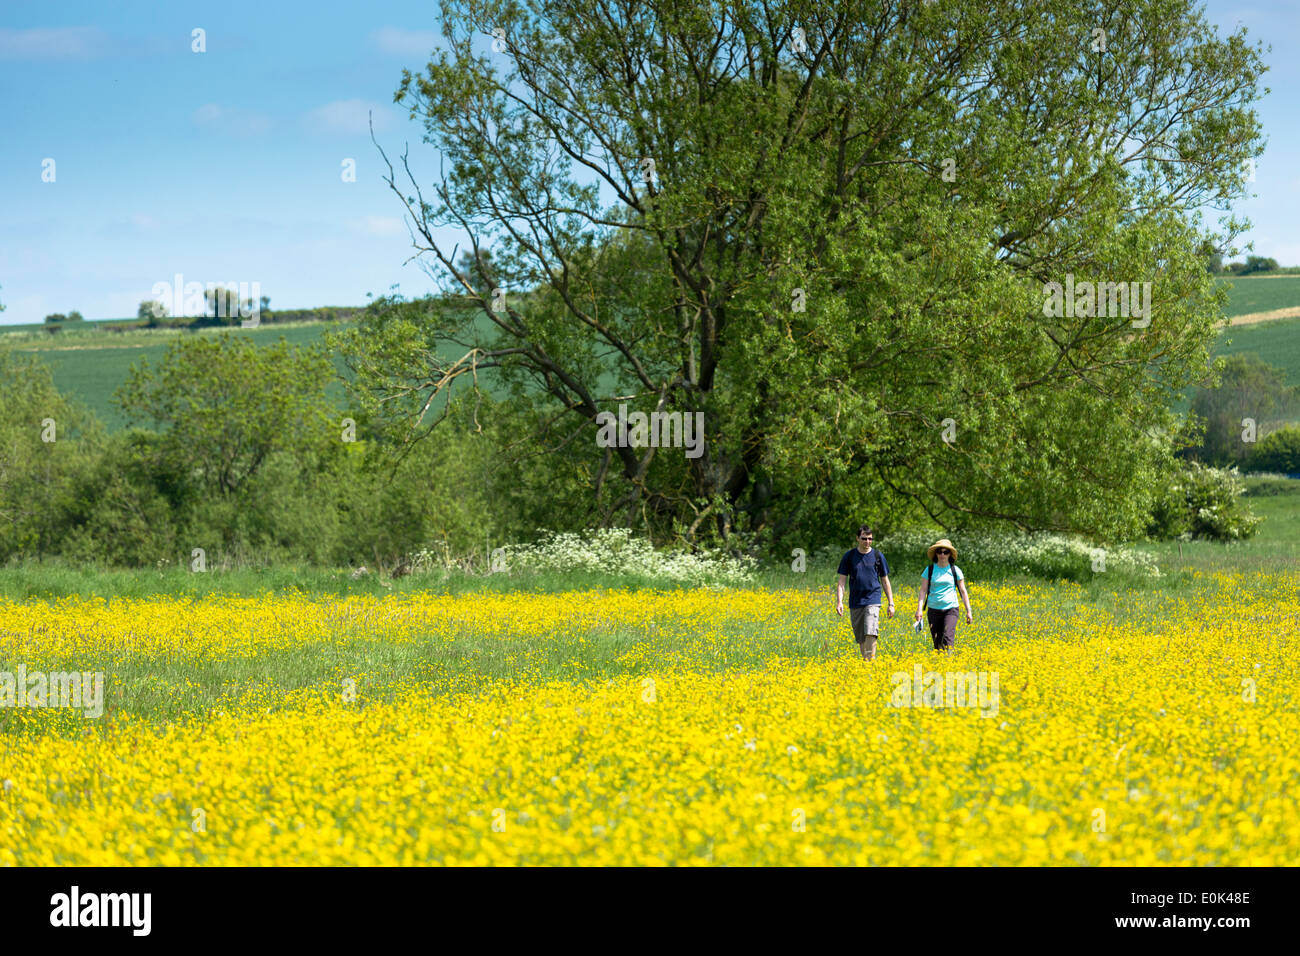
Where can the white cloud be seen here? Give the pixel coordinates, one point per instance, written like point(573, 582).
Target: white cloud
point(349, 116)
point(55, 43)
point(398, 42)
point(230, 119)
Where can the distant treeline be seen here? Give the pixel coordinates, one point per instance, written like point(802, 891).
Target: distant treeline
point(325, 313)
point(1253, 265)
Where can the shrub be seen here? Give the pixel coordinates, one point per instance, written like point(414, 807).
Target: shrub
point(121, 515)
point(614, 551)
point(46, 443)
point(1203, 502)
point(1278, 452)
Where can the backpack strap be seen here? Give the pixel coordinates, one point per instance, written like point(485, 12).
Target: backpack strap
point(930, 574)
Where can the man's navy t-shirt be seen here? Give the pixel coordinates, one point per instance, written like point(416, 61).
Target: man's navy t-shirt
point(864, 581)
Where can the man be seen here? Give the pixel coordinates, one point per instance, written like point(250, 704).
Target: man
point(867, 572)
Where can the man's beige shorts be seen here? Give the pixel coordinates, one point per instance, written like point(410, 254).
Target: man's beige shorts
point(866, 622)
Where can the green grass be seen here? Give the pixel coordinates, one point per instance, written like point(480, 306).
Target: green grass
point(464, 658)
point(1277, 343)
point(1274, 548)
point(1262, 294)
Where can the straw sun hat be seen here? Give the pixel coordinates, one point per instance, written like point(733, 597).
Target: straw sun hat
point(942, 543)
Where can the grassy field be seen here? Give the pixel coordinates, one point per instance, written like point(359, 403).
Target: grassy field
point(302, 716)
point(1277, 343)
point(1262, 294)
point(660, 726)
point(1273, 550)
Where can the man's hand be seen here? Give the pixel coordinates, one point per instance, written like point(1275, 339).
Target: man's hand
point(891, 608)
point(839, 607)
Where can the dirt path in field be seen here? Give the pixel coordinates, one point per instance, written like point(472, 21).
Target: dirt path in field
point(1250, 318)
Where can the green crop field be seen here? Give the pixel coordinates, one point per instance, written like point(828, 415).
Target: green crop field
point(1256, 294)
point(1277, 343)
point(91, 364)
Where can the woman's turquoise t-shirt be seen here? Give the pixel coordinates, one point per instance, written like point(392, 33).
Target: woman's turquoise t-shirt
point(943, 590)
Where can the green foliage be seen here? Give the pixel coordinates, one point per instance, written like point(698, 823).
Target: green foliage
point(1252, 264)
point(226, 406)
point(248, 462)
point(394, 501)
point(1199, 501)
point(222, 305)
point(1267, 485)
point(992, 554)
point(121, 516)
point(55, 318)
point(151, 311)
point(1277, 452)
point(46, 443)
point(826, 318)
point(1249, 391)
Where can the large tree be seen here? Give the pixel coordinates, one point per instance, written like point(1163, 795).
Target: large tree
point(829, 229)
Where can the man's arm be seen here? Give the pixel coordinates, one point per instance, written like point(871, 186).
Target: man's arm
point(839, 595)
point(889, 593)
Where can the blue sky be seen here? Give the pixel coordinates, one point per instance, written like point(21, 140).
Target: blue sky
point(225, 166)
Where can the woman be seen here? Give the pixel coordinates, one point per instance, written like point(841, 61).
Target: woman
point(941, 583)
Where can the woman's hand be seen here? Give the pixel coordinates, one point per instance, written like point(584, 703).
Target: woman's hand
point(970, 618)
point(917, 616)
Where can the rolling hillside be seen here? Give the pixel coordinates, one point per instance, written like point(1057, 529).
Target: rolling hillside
point(91, 363)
